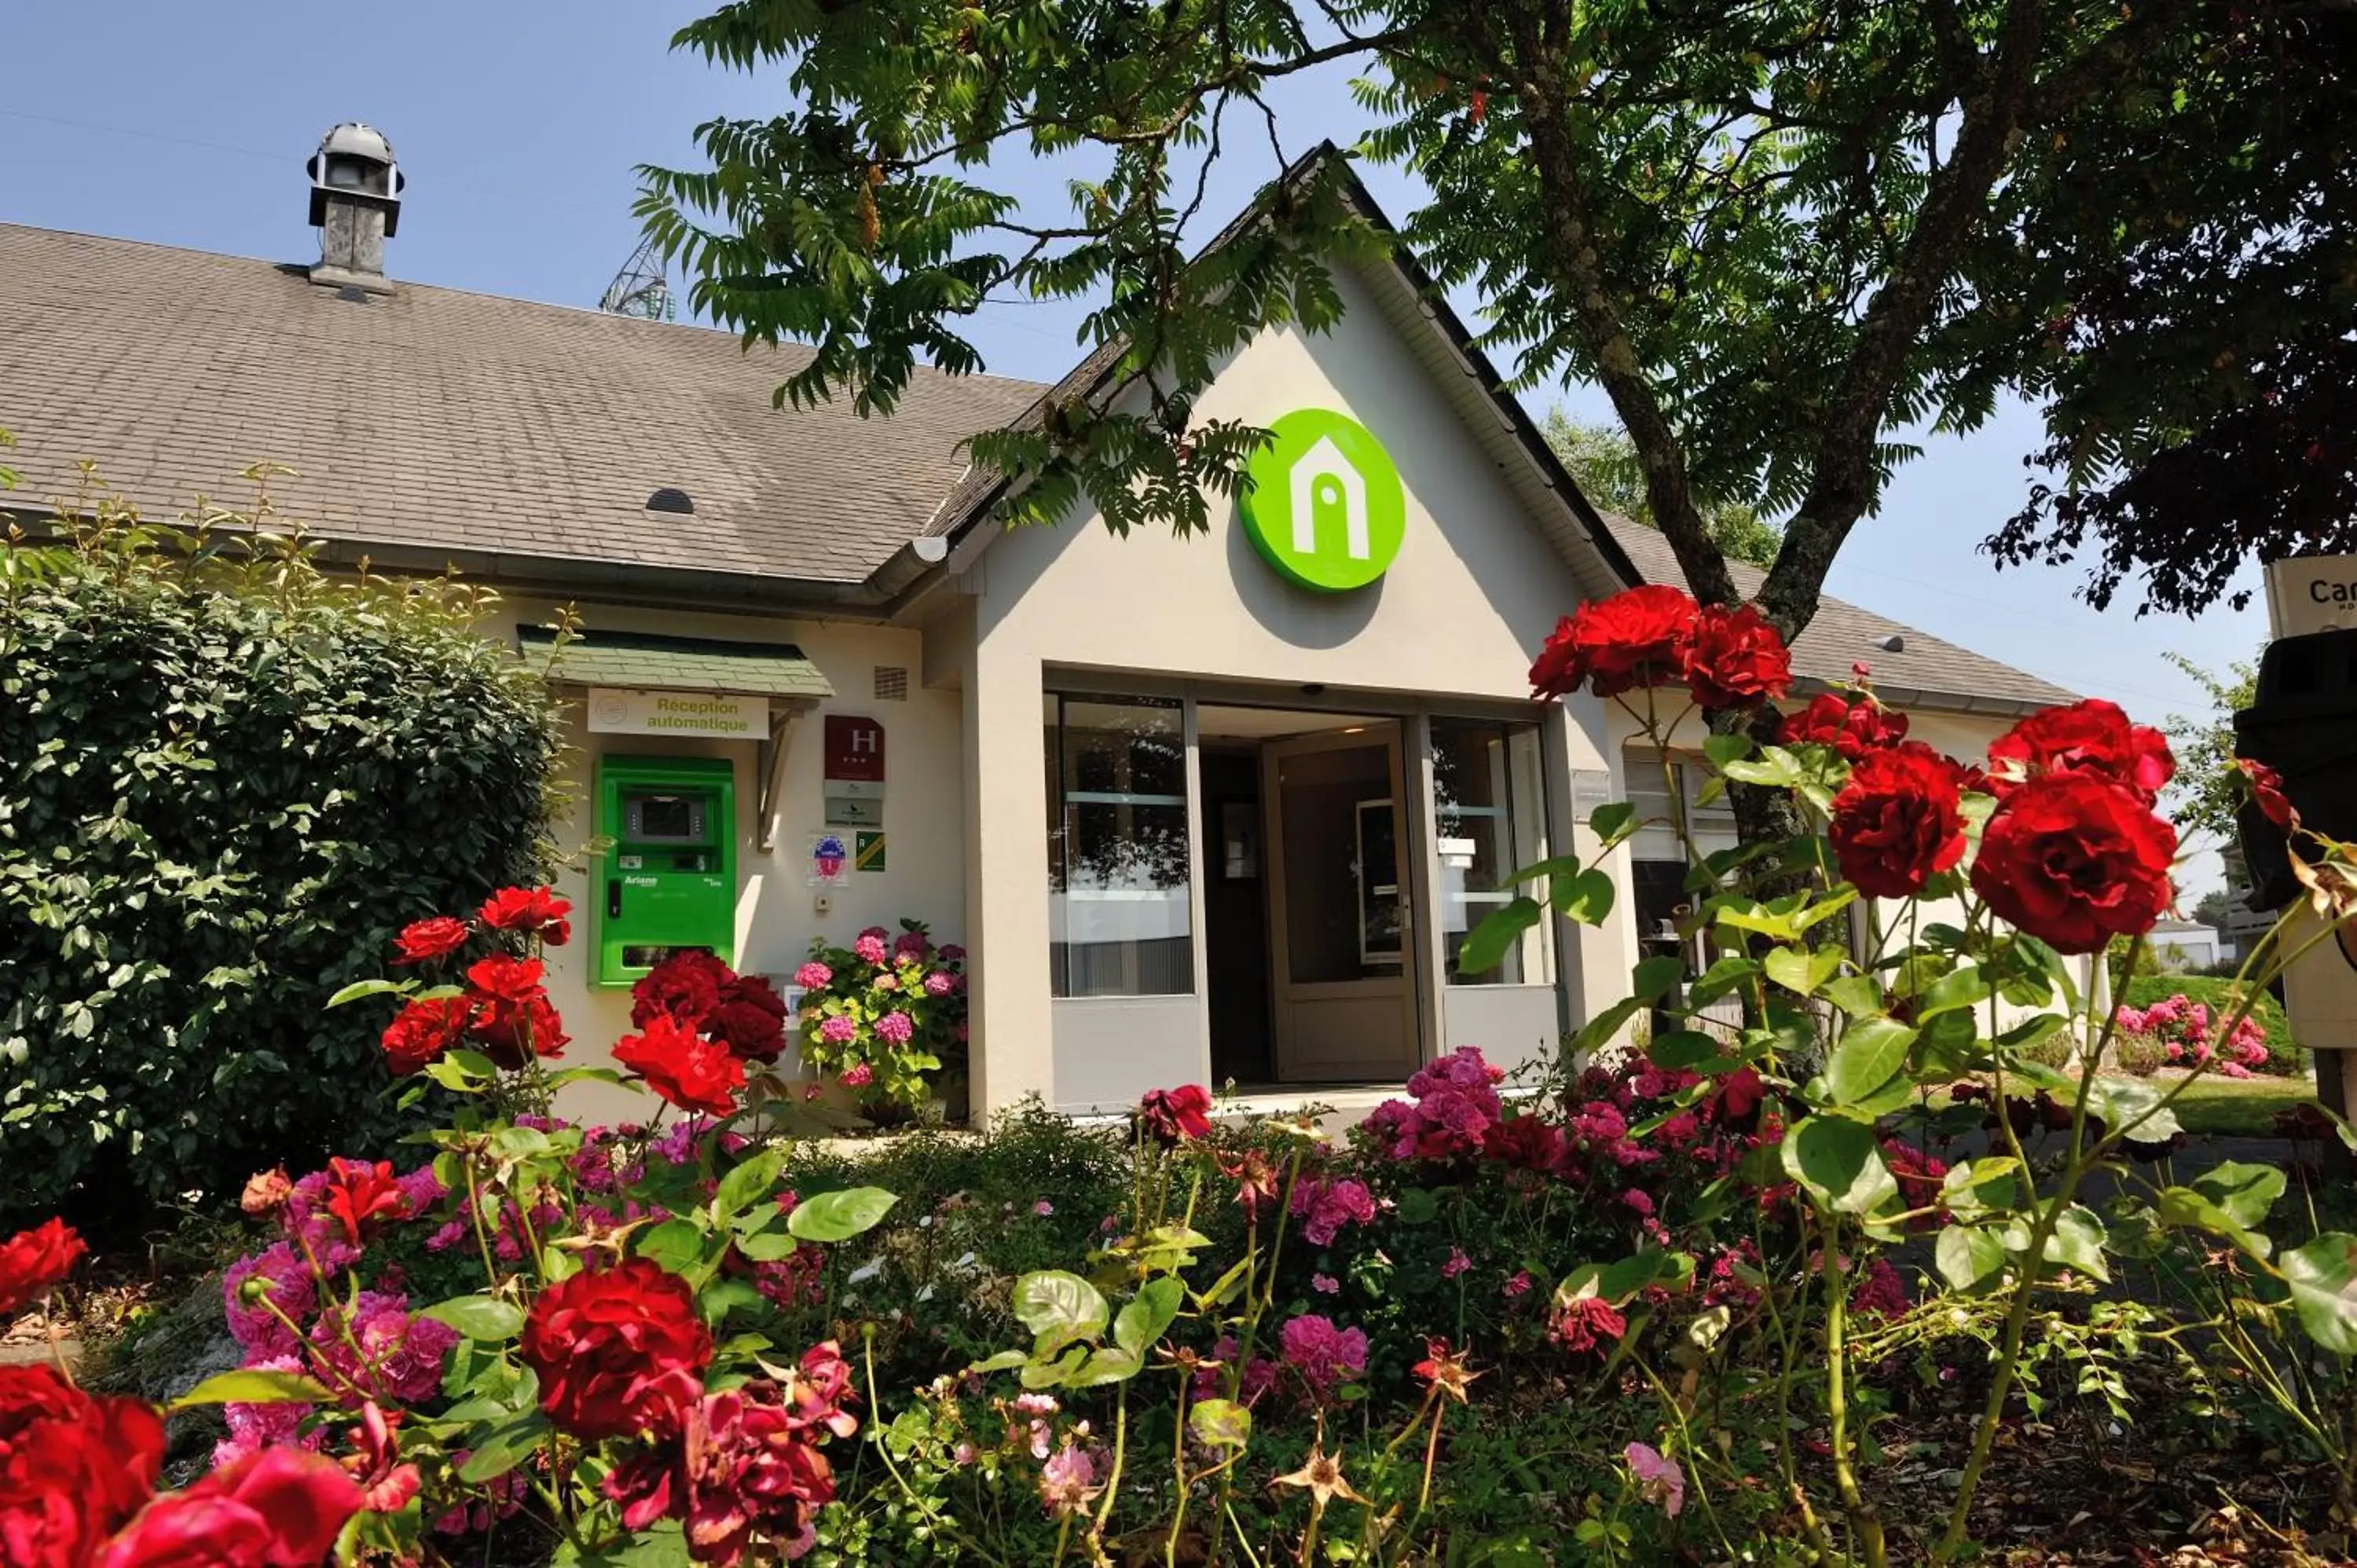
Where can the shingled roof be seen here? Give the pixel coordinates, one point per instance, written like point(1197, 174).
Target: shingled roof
point(512, 437)
point(1925, 673)
point(433, 420)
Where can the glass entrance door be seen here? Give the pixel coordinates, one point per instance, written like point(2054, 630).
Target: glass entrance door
point(1339, 906)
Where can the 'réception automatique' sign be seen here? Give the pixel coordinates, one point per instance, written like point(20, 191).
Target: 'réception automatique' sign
point(729, 715)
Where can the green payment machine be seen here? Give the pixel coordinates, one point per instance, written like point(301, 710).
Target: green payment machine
point(668, 879)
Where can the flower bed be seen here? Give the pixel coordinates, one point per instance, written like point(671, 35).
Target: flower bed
point(1675, 1308)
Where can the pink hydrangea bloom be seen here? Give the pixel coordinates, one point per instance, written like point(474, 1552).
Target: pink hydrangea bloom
point(254, 1326)
point(941, 982)
point(1322, 1353)
point(870, 949)
point(952, 953)
point(896, 1027)
point(838, 1030)
point(1325, 1207)
point(403, 1355)
point(911, 944)
point(1255, 1378)
point(859, 1076)
point(813, 976)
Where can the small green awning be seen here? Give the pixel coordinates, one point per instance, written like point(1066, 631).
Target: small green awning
point(648, 661)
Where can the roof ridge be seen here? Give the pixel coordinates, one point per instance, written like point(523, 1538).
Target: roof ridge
point(297, 269)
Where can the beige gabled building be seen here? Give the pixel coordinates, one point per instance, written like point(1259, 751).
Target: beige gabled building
point(1194, 820)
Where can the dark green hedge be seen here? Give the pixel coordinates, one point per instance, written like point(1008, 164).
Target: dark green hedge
point(225, 779)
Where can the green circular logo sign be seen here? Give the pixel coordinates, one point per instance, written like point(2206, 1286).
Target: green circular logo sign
point(1325, 508)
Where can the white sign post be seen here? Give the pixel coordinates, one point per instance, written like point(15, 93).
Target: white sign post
point(724, 716)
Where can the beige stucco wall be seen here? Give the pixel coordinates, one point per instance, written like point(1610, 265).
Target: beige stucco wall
point(1472, 594)
point(776, 907)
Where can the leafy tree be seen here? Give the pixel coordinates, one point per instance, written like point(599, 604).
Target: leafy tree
point(2202, 798)
point(2214, 908)
point(2195, 302)
point(1777, 234)
point(1604, 462)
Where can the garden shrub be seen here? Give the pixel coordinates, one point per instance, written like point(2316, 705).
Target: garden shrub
point(220, 773)
point(2283, 1053)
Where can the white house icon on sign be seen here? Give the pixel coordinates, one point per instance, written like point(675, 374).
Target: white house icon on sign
point(1323, 474)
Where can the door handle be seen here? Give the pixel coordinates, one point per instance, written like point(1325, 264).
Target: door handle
point(613, 898)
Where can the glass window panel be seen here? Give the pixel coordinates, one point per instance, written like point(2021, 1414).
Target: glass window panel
point(1490, 816)
point(1120, 908)
point(1343, 891)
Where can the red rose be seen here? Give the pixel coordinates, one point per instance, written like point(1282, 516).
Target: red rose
point(2074, 861)
point(688, 985)
point(506, 977)
point(2092, 738)
point(73, 1467)
point(512, 1032)
point(692, 1072)
point(1171, 1115)
point(529, 909)
point(1638, 638)
point(1896, 822)
point(617, 1350)
point(360, 1194)
point(752, 1018)
point(282, 1508)
point(423, 1030)
point(1736, 657)
point(2266, 788)
point(1851, 726)
point(32, 1261)
point(430, 939)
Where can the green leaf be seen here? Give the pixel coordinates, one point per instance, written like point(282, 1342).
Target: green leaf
point(1004, 1362)
point(1110, 1365)
point(1587, 897)
point(1839, 1163)
point(1856, 995)
point(2188, 1209)
point(1803, 972)
point(452, 1074)
point(1057, 1306)
point(503, 1448)
point(1723, 977)
point(359, 989)
point(2132, 1107)
point(1418, 1205)
point(1554, 865)
point(1967, 987)
point(1219, 1423)
point(1486, 946)
point(482, 1317)
point(840, 1216)
point(766, 1246)
point(1758, 918)
point(1654, 978)
point(1148, 1315)
point(2323, 1280)
point(747, 1183)
point(1965, 1257)
point(1869, 1051)
point(1612, 822)
point(1722, 749)
point(2078, 1243)
point(2243, 1191)
point(1678, 1048)
point(677, 1245)
point(662, 1545)
point(1604, 1025)
point(251, 1387)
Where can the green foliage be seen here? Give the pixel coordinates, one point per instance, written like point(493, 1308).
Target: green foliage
point(225, 779)
point(1772, 233)
point(1603, 460)
point(2204, 795)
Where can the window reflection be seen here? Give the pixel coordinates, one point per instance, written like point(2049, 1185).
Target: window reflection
point(1119, 908)
point(1488, 808)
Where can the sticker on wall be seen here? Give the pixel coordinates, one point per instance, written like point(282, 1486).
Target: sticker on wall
point(869, 853)
point(1325, 508)
point(830, 861)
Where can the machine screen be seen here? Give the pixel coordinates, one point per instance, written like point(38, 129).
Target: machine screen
point(664, 819)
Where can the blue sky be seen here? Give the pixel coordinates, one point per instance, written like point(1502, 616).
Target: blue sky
point(518, 121)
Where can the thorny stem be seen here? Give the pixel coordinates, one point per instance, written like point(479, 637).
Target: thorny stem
point(1120, 1454)
point(1865, 1525)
